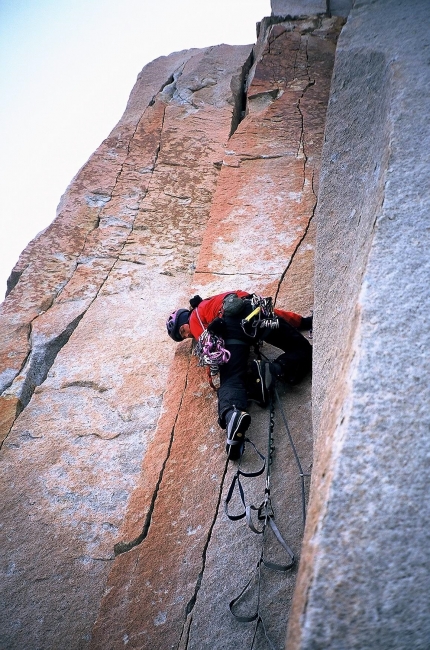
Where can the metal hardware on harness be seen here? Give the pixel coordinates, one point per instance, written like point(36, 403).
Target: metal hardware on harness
point(261, 316)
point(211, 352)
point(252, 314)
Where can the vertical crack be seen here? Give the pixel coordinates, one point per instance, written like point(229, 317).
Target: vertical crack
point(238, 86)
point(156, 156)
point(123, 547)
point(299, 243)
point(301, 152)
point(191, 603)
point(110, 196)
point(15, 276)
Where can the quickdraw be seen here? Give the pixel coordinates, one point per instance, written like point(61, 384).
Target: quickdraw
point(262, 315)
point(265, 514)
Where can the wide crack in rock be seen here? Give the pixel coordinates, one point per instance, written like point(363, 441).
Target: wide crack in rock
point(41, 358)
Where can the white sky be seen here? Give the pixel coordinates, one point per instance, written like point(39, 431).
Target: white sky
point(66, 70)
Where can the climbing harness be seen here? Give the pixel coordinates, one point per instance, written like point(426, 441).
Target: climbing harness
point(210, 348)
point(265, 515)
point(262, 315)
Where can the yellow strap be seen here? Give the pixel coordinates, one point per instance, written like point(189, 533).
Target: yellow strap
point(252, 314)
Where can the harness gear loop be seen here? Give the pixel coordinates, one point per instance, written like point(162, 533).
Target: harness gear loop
point(263, 315)
point(210, 350)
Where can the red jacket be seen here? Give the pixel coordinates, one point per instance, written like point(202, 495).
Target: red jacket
point(212, 308)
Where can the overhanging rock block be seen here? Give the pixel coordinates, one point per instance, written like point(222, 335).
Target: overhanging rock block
point(340, 7)
point(298, 8)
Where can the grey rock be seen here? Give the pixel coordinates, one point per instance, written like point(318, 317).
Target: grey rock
point(340, 7)
point(297, 8)
point(363, 581)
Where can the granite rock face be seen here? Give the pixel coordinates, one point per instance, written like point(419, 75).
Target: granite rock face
point(114, 474)
point(113, 466)
point(363, 581)
point(259, 233)
point(85, 353)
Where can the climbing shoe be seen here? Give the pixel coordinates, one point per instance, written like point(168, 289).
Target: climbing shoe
point(261, 381)
point(237, 423)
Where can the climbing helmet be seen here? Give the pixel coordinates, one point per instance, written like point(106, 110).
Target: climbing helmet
point(174, 322)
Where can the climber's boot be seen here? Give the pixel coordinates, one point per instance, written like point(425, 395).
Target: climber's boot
point(237, 423)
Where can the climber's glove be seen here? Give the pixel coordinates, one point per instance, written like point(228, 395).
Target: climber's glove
point(217, 327)
point(306, 323)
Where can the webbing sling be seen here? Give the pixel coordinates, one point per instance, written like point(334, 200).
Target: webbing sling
point(236, 481)
point(266, 515)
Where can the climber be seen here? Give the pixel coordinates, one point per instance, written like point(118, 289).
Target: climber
point(244, 320)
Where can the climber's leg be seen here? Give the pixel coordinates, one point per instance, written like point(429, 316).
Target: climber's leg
point(296, 361)
point(232, 390)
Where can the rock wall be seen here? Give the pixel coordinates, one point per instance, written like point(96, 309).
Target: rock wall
point(260, 235)
point(363, 580)
point(109, 432)
point(87, 313)
point(113, 467)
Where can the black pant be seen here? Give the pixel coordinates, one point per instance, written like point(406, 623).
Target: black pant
point(295, 362)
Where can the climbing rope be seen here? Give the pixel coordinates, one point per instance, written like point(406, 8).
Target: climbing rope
point(265, 514)
point(210, 351)
point(302, 474)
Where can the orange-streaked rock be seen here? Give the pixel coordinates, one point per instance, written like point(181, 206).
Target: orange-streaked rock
point(10, 407)
point(51, 259)
point(172, 590)
point(266, 193)
point(86, 429)
point(148, 606)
